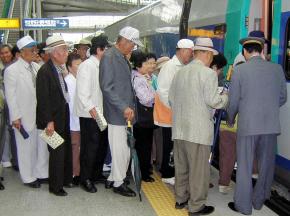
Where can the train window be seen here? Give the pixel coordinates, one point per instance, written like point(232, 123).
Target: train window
point(287, 52)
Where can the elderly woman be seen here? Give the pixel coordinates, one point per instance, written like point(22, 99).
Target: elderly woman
point(143, 128)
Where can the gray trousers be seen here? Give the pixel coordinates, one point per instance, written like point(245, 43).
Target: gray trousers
point(192, 173)
point(264, 147)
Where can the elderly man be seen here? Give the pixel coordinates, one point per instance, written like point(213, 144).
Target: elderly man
point(94, 143)
point(19, 81)
point(8, 136)
point(193, 96)
point(257, 91)
point(53, 113)
point(82, 48)
point(119, 104)
point(162, 115)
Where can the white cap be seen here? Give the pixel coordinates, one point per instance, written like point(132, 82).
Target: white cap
point(204, 44)
point(54, 41)
point(26, 42)
point(185, 44)
point(131, 34)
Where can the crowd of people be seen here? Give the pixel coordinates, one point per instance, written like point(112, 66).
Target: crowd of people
point(170, 102)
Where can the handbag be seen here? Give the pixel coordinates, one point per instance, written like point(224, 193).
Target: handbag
point(144, 115)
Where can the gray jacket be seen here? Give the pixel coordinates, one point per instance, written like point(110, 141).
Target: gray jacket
point(116, 86)
point(257, 90)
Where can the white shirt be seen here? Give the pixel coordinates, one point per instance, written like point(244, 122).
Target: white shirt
point(71, 87)
point(88, 91)
point(165, 78)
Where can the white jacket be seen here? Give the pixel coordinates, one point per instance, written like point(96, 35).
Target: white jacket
point(20, 93)
point(88, 93)
point(165, 78)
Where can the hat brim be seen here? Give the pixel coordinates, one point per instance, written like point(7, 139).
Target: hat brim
point(257, 40)
point(215, 52)
point(63, 44)
point(30, 45)
point(138, 42)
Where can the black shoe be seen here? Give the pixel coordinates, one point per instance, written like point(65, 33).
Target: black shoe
point(204, 211)
point(101, 179)
point(69, 185)
point(60, 192)
point(124, 190)
point(34, 184)
point(43, 180)
point(76, 180)
point(109, 184)
point(231, 205)
point(181, 205)
point(127, 181)
point(1, 179)
point(88, 186)
point(148, 179)
point(1, 186)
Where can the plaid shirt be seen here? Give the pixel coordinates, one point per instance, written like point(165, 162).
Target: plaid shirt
point(143, 88)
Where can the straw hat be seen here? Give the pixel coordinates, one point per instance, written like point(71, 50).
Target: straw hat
point(54, 41)
point(204, 44)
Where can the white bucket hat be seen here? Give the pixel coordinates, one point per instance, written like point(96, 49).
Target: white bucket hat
point(131, 34)
point(25, 42)
point(185, 44)
point(204, 44)
point(54, 41)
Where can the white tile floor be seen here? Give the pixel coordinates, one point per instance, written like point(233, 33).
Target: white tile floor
point(18, 199)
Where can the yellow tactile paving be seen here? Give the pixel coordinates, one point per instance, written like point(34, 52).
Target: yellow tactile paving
point(161, 198)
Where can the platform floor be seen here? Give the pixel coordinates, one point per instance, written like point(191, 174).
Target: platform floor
point(18, 199)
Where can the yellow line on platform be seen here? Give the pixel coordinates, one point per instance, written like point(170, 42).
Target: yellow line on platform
point(161, 198)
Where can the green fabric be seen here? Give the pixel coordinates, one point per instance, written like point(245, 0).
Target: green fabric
point(237, 11)
point(276, 30)
point(154, 82)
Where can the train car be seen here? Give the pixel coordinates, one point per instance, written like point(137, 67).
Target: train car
point(163, 23)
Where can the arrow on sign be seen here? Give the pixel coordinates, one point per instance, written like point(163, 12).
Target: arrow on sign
point(63, 23)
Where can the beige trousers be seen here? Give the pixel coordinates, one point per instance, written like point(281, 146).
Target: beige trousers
point(192, 173)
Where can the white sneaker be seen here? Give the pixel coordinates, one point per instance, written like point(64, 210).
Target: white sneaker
point(6, 164)
point(170, 181)
point(255, 176)
point(106, 168)
point(224, 189)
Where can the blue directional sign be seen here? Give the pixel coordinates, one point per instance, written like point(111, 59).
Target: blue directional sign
point(45, 23)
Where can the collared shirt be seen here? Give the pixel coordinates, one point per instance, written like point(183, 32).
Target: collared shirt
point(143, 89)
point(61, 70)
point(88, 92)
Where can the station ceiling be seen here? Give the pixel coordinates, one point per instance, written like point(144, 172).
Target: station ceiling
point(59, 8)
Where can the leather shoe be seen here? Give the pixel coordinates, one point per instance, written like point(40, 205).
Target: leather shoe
point(60, 192)
point(181, 205)
point(1, 186)
point(76, 180)
point(34, 184)
point(88, 186)
point(204, 211)
point(109, 184)
point(124, 190)
point(148, 179)
point(231, 205)
point(43, 180)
